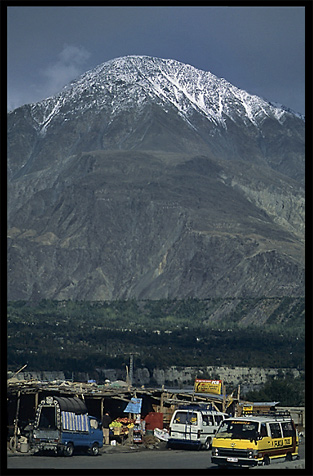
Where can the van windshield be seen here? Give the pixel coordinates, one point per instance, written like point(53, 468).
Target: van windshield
point(243, 430)
point(47, 418)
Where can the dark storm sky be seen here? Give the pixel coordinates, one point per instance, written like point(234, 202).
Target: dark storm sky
point(259, 49)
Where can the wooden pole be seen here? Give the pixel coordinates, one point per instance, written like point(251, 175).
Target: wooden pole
point(20, 370)
point(238, 406)
point(16, 418)
point(194, 389)
point(36, 401)
point(101, 409)
point(131, 435)
point(162, 400)
point(127, 378)
point(131, 369)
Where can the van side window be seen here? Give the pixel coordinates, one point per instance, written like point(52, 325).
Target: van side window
point(208, 420)
point(275, 430)
point(288, 429)
point(263, 430)
point(94, 424)
point(218, 419)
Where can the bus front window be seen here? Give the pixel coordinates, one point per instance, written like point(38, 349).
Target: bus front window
point(243, 430)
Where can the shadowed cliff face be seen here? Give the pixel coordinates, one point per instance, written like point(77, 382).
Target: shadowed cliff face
point(143, 203)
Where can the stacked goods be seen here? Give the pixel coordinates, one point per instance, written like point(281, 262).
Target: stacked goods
point(115, 424)
point(121, 425)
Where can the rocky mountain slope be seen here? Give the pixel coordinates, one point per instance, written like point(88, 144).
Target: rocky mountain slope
point(147, 178)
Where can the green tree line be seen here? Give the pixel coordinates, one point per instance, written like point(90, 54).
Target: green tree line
point(288, 391)
point(80, 336)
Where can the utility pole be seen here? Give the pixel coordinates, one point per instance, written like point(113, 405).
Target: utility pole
point(131, 366)
point(224, 396)
point(237, 407)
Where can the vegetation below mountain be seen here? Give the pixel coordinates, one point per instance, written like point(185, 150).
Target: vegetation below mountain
point(288, 391)
point(82, 336)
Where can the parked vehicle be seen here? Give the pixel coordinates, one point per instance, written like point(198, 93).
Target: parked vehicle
point(63, 424)
point(194, 426)
point(255, 440)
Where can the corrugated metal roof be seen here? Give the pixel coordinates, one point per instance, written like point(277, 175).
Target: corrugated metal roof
point(259, 404)
point(198, 394)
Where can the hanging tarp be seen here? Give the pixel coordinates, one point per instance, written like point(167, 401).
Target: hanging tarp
point(134, 406)
point(73, 422)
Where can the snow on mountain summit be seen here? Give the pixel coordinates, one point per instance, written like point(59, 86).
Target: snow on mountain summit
point(131, 81)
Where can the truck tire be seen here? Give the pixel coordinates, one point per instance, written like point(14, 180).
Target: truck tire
point(69, 449)
point(12, 443)
point(207, 444)
point(60, 451)
point(266, 460)
point(94, 450)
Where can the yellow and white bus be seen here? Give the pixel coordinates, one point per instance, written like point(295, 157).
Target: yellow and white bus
point(255, 440)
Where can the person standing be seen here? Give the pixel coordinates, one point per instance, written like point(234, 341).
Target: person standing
point(106, 420)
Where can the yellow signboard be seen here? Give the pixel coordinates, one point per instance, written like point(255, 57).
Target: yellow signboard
point(208, 386)
point(247, 409)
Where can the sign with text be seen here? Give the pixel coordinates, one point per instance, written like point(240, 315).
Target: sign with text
point(208, 386)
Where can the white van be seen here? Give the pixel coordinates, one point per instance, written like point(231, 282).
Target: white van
point(194, 426)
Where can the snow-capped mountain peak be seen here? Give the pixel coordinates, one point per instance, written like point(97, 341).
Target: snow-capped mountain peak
point(130, 82)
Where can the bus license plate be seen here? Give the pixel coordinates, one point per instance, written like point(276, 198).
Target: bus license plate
point(232, 460)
